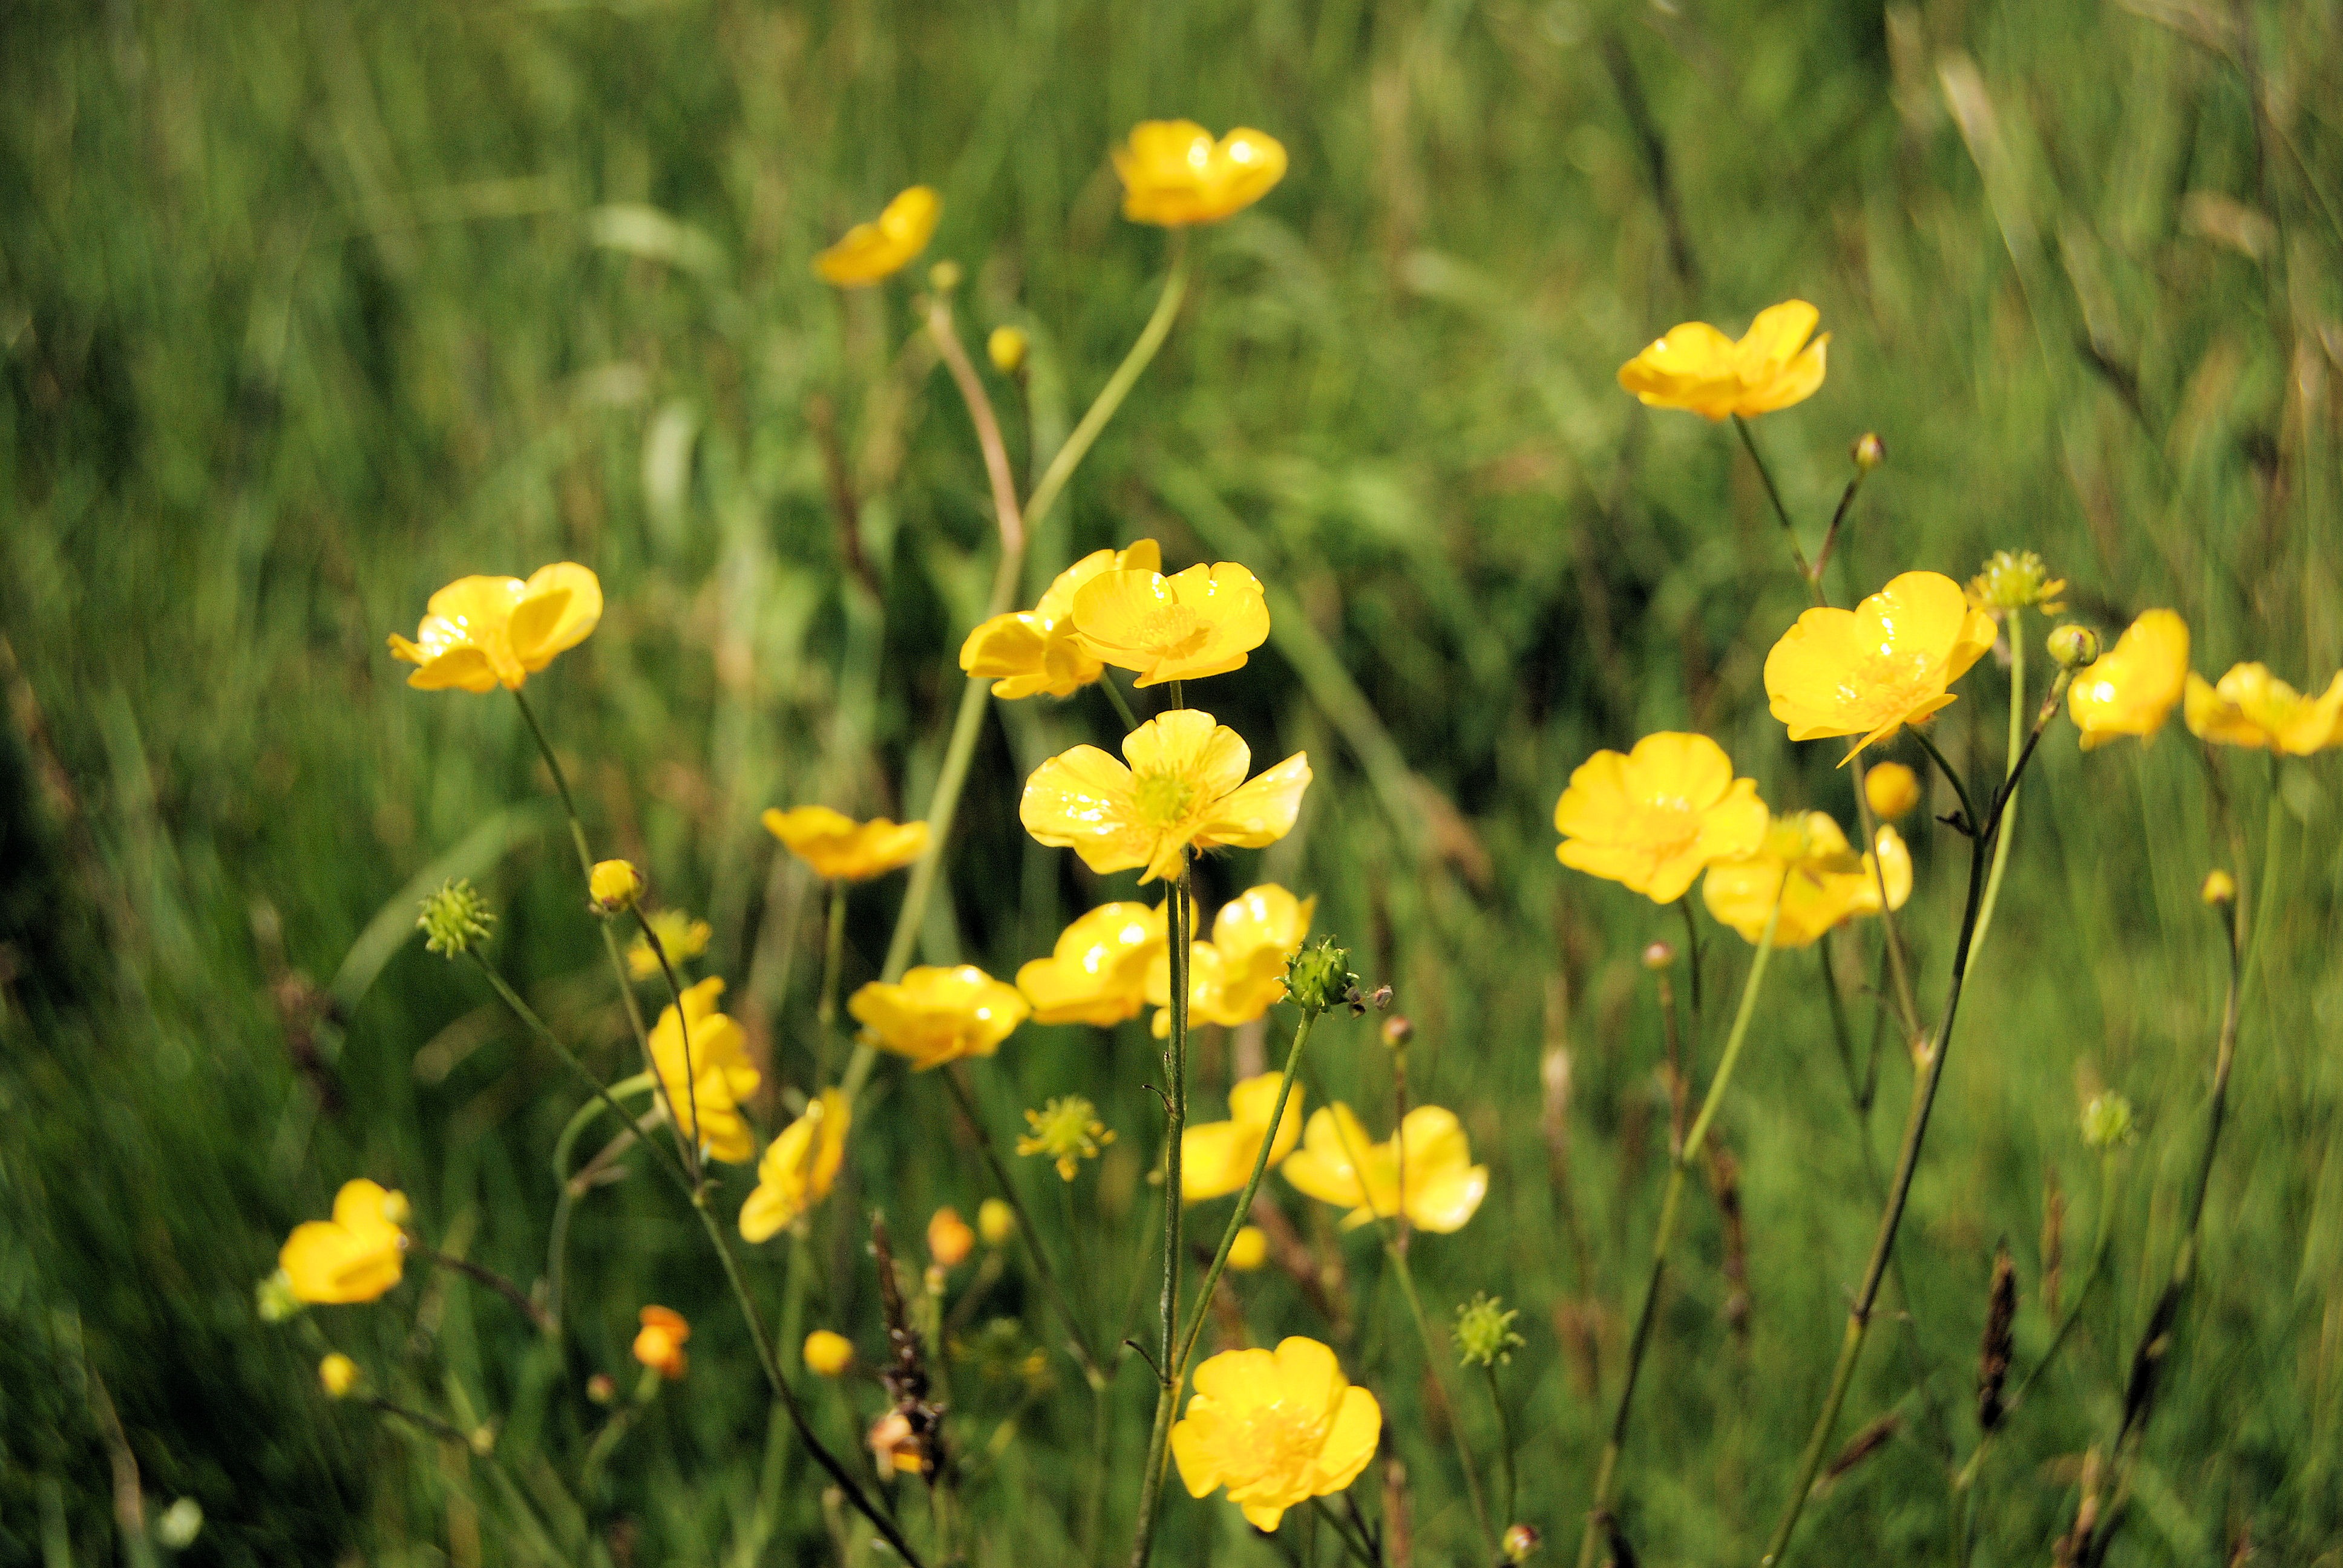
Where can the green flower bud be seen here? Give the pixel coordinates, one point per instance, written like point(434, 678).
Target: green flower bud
point(2074, 646)
point(454, 919)
point(1318, 977)
point(274, 1299)
point(2107, 1120)
point(1870, 451)
point(1485, 1332)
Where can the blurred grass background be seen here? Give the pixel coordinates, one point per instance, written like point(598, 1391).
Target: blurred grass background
point(307, 309)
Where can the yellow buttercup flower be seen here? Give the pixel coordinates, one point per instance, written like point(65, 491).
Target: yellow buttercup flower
point(1203, 621)
point(1653, 819)
point(1185, 786)
point(1337, 1164)
point(996, 1222)
point(938, 1015)
point(1700, 369)
point(828, 1352)
point(1097, 973)
point(1255, 934)
point(799, 1167)
point(1822, 882)
point(1250, 1250)
point(1216, 1157)
point(1174, 174)
point(337, 1374)
point(841, 849)
point(1035, 652)
point(2251, 706)
point(659, 1342)
point(356, 1255)
point(2132, 689)
point(1276, 1428)
point(478, 633)
point(1873, 670)
point(1891, 789)
point(873, 252)
point(684, 938)
point(706, 1101)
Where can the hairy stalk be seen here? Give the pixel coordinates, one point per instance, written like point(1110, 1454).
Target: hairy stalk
point(1168, 1371)
point(1606, 1471)
point(1077, 1339)
point(1915, 1127)
point(2009, 810)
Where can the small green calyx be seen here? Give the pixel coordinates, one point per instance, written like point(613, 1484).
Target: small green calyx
point(456, 918)
point(1319, 977)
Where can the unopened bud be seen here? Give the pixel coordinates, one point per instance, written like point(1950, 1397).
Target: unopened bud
point(1398, 1030)
point(274, 1299)
point(337, 1374)
point(944, 276)
point(1006, 349)
point(1659, 956)
point(601, 1388)
point(484, 1441)
point(614, 886)
point(1869, 452)
point(949, 1241)
point(1521, 1541)
point(2221, 887)
point(996, 1222)
point(178, 1526)
point(2107, 1120)
point(1891, 789)
point(2074, 646)
point(828, 1353)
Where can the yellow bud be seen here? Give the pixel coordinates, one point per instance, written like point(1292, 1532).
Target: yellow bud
point(2221, 887)
point(1870, 451)
point(826, 1354)
point(615, 885)
point(1006, 349)
point(949, 1241)
point(1892, 790)
point(1250, 1250)
point(338, 1374)
point(396, 1210)
point(944, 276)
point(2074, 646)
point(996, 1222)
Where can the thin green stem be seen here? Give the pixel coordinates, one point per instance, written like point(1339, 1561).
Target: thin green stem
point(1692, 960)
point(1897, 970)
point(2009, 806)
point(1432, 1360)
point(536, 1315)
point(1113, 689)
point(431, 1424)
point(1050, 1287)
point(1606, 1471)
point(1118, 386)
point(1807, 574)
point(1951, 777)
point(1358, 1549)
point(1504, 1445)
point(683, 1033)
point(1175, 1105)
point(833, 956)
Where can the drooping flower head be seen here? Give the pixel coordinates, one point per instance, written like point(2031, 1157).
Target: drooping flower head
point(1338, 1164)
point(684, 938)
point(706, 1100)
point(1873, 670)
point(875, 251)
point(1174, 174)
point(356, 1255)
point(2251, 706)
point(1065, 1131)
point(1698, 369)
point(2134, 686)
point(1035, 652)
point(1651, 820)
point(1216, 1157)
point(658, 1342)
point(936, 1015)
point(799, 1167)
point(478, 633)
point(1276, 1428)
point(1199, 622)
point(1185, 786)
point(841, 849)
point(1821, 881)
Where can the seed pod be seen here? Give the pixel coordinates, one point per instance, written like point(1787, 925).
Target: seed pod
point(1993, 1354)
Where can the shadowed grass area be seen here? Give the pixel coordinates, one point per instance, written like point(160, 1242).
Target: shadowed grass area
point(307, 309)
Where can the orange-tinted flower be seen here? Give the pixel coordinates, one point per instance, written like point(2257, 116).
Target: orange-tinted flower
point(1337, 1164)
point(354, 1256)
point(1652, 820)
point(937, 1015)
point(1203, 621)
point(872, 252)
point(1700, 369)
point(706, 1099)
point(1185, 786)
point(2135, 687)
point(1216, 1157)
point(1174, 174)
point(1886, 663)
point(2251, 706)
point(482, 632)
point(1036, 652)
point(1276, 1428)
point(949, 1239)
point(841, 849)
point(658, 1343)
point(1821, 880)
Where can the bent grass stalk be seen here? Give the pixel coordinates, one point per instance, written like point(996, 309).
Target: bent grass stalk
point(1606, 1472)
point(1915, 1126)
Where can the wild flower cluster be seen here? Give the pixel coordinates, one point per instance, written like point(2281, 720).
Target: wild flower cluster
point(1274, 1427)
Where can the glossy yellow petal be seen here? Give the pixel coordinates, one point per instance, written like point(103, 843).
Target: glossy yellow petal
point(1653, 819)
point(936, 1015)
point(1350, 1442)
point(839, 848)
point(2251, 706)
point(355, 1256)
point(1872, 670)
point(1216, 1160)
point(1174, 174)
point(1180, 788)
point(560, 608)
point(1697, 369)
point(2134, 688)
point(1203, 621)
point(1261, 811)
point(1276, 1429)
point(872, 252)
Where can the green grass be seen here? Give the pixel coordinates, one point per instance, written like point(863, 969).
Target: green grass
point(304, 310)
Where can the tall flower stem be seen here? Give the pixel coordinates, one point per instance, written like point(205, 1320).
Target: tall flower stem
point(943, 805)
point(1077, 1338)
point(1504, 1446)
point(1168, 1370)
point(538, 1316)
point(1606, 1471)
point(1915, 1127)
point(2017, 740)
point(1807, 574)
